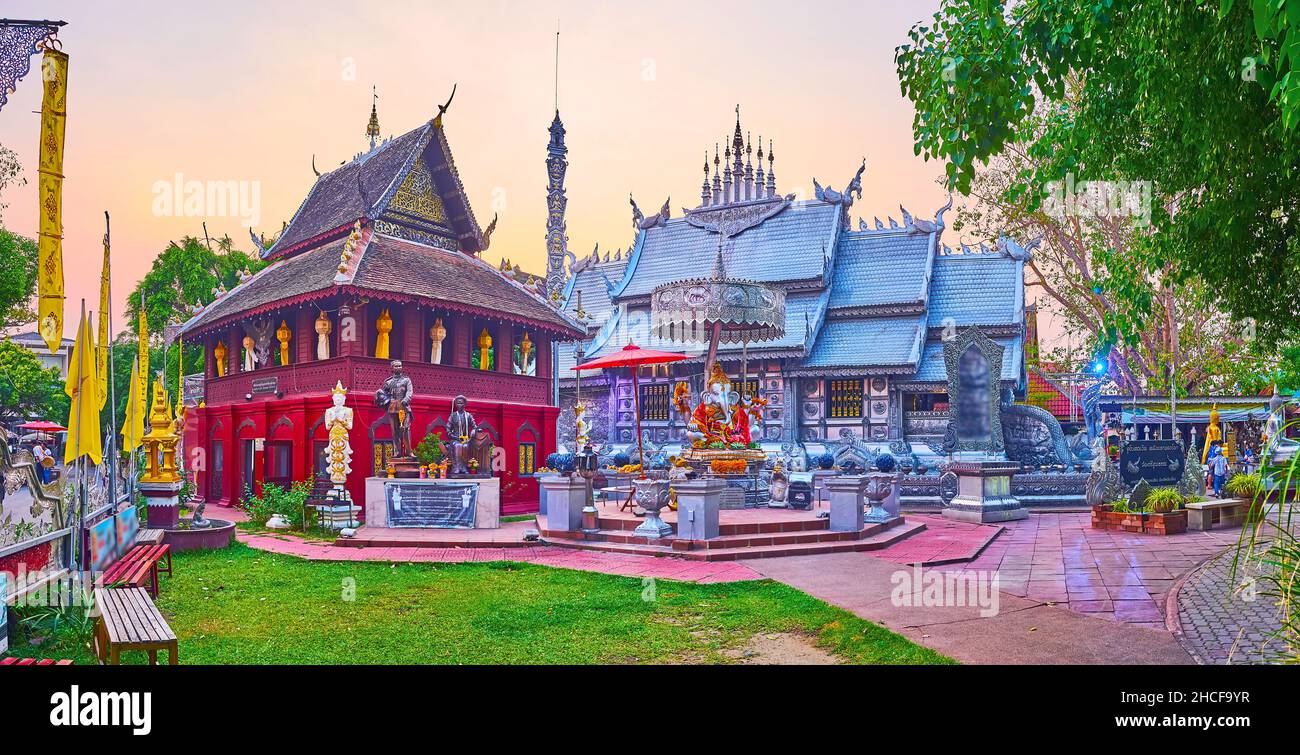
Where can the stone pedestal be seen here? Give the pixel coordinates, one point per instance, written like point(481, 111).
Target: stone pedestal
point(652, 495)
point(487, 508)
point(820, 477)
point(163, 502)
point(984, 492)
point(563, 499)
point(698, 504)
point(845, 493)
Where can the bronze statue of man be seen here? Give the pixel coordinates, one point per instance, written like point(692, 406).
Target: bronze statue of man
point(468, 441)
point(395, 398)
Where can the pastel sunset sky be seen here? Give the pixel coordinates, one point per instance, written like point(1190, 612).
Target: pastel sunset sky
point(249, 91)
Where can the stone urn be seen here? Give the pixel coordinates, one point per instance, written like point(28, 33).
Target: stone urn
point(876, 491)
point(652, 495)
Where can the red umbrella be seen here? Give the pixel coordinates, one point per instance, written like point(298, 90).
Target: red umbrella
point(633, 356)
point(43, 425)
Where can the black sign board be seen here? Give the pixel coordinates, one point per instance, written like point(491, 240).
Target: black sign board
point(447, 505)
point(1159, 462)
point(262, 385)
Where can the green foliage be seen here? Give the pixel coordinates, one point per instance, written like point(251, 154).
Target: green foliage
point(1164, 500)
point(430, 450)
point(18, 255)
point(239, 605)
point(185, 274)
point(1142, 90)
point(27, 389)
point(276, 500)
point(476, 359)
point(1247, 486)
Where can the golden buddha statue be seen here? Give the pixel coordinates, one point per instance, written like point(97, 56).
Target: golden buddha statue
point(219, 356)
point(283, 334)
point(384, 326)
point(525, 356)
point(1213, 432)
point(437, 334)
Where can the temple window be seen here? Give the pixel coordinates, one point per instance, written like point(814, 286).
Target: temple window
point(655, 402)
point(844, 399)
point(482, 353)
point(527, 458)
point(385, 336)
point(438, 347)
point(525, 355)
point(751, 387)
point(283, 335)
point(383, 451)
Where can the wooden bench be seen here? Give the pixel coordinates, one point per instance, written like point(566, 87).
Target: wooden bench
point(128, 620)
point(33, 662)
point(139, 567)
point(1202, 515)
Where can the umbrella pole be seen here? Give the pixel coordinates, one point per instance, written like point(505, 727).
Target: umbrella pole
point(636, 407)
point(715, 335)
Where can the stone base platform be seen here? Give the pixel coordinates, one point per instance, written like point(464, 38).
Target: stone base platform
point(748, 533)
point(508, 535)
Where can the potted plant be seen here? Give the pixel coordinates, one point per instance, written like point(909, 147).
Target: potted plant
point(1166, 515)
point(430, 451)
point(1249, 487)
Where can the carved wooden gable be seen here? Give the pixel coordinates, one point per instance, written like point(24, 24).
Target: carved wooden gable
point(416, 211)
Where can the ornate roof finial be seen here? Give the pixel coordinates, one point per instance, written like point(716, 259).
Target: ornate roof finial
point(372, 128)
point(771, 169)
point(719, 269)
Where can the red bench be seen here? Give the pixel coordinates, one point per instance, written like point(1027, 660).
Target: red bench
point(33, 662)
point(139, 567)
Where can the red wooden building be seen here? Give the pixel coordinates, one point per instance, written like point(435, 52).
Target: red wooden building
point(383, 252)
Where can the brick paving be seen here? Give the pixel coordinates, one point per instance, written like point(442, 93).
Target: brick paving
point(1060, 559)
point(1221, 617)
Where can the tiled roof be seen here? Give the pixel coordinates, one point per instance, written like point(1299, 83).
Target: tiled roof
point(387, 265)
point(1047, 394)
point(789, 246)
point(591, 281)
point(868, 342)
point(306, 273)
point(403, 267)
point(977, 289)
point(352, 191)
point(874, 268)
point(932, 370)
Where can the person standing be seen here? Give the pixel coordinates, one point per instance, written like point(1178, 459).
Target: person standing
point(1219, 468)
point(1248, 460)
point(39, 453)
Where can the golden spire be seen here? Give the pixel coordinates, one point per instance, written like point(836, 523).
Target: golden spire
point(372, 129)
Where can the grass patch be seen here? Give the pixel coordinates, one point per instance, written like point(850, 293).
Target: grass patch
point(518, 518)
point(244, 606)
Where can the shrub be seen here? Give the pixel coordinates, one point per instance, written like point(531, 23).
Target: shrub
point(826, 461)
point(1247, 486)
point(886, 462)
point(276, 500)
point(430, 450)
point(1164, 500)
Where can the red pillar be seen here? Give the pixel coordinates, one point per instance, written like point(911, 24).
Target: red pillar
point(412, 334)
point(304, 336)
point(505, 347)
point(460, 340)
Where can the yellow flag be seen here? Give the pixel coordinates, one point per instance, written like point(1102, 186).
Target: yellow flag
point(142, 355)
point(82, 387)
point(101, 353)
point(54, 71)
point(133, 425)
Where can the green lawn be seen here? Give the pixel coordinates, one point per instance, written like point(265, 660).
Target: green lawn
point(241, 605)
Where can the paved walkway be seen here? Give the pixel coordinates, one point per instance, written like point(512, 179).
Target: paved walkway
point(1061, 559)
point(1022, 631)
point(1222, 618)
point(701, 572)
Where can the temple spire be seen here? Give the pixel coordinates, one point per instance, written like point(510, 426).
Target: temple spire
point(372, 128)
point(557, 242)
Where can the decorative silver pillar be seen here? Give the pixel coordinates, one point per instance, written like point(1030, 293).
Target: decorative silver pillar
point(984, 491)
point(565, 497)
point(698, 503)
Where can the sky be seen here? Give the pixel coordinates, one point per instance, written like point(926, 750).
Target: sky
point(249, 92)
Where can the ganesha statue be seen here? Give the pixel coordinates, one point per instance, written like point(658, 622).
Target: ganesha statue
point(720, 417)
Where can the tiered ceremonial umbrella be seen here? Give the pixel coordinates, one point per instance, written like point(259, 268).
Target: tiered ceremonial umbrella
point(633, 356)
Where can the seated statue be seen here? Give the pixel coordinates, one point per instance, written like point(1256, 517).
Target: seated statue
point(719, 417)
point(467, 441)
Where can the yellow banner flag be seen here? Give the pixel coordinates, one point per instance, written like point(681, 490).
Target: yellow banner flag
point(101, 353)
point(133, 425)
point(82, 387)
point(142, 355)
point(54, 72)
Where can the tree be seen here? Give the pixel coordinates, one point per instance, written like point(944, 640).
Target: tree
point(1163, 93)
point(27, 389)
point(10, 174)
point(17, 279)
point(187, 274)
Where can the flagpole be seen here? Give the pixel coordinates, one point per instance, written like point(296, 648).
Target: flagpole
point(112, 391)
point(81, 459)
